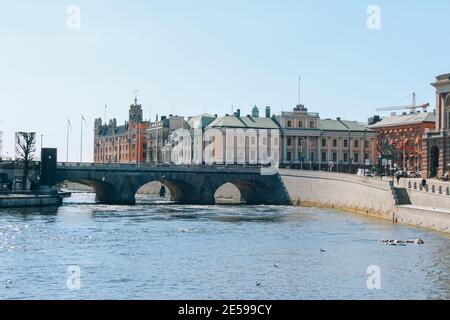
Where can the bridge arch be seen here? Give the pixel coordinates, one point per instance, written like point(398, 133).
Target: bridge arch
point(180, 191)
point(251, 192)
point(105, 192)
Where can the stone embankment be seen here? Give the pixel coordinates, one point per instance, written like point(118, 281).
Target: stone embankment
point(369, 196)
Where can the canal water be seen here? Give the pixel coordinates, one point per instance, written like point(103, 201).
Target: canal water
point(161, 251)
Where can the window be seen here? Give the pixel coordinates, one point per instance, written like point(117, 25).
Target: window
point(289, 156)
point(356, 157)
point(366, 144)
point(345, 157)
point(356, 143)
point(289, 123)
point(300, 141)
point(334, 143)
point(324, 156)
point(289, 141)
point(300, 156)
point(324, 142)
point(311, 124)
point(366, 156)
point(275, 141)
point(334, 157)
point(345, 143)
point(300, 124)
point(312, 156)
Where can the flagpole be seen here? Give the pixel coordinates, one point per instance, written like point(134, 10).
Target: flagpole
point(67, 147)
point(81, 144)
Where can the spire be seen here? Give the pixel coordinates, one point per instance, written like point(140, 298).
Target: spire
point(135, 97)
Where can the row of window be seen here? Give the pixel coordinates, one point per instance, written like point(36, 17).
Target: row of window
point(312, 124)
point(334, 143)
point(324, 157)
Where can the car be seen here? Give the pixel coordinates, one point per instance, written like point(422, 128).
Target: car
point(364, 172)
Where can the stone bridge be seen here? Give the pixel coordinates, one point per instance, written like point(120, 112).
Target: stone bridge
point(118, 183)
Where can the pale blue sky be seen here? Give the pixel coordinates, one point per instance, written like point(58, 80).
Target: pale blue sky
point(206, 55)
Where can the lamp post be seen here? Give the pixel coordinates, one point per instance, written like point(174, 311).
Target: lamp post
point(364, 155)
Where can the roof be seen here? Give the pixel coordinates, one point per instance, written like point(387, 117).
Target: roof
point(109, 131)
point(342, 125)
point(201, 121)
point(244, 122)
point(405, 120)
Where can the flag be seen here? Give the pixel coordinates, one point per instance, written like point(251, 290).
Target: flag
point(83, 119)
point(69, 125)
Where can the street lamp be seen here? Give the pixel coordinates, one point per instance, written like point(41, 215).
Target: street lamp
point(364, 156)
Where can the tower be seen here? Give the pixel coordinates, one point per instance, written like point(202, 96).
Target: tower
point(255, 112)
point(135, 114)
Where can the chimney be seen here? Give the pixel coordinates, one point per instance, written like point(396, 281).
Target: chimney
point(338, 118)
point(268, 112)
point(238, 113)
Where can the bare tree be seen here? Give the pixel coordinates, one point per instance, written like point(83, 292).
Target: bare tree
point(25, 148)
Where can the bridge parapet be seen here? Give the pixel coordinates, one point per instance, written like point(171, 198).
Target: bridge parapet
point(189, 184)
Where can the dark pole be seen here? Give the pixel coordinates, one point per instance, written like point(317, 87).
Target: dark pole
point(364, 156)
point(349, 153)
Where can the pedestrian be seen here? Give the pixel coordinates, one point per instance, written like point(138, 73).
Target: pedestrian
point(424, 183)
point(398, 179)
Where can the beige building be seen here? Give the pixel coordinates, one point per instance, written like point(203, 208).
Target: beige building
point(309, 142)
point(157, 136)
point(236, 139)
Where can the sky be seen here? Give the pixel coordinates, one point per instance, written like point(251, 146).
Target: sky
point(191, 57)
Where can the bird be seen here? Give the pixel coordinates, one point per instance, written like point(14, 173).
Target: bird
point(276, 266)
point(322, 250)
point(258, 284)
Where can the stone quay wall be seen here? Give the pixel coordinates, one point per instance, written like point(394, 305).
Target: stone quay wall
point(368, 196)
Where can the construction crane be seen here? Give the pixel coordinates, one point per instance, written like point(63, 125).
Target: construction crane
point(413, 106)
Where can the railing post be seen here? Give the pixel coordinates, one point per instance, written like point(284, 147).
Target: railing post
point(440, 190)
point(448, 191)
point(415, 185)
point(433, 189)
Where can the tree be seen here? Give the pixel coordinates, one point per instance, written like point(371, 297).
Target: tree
point(25, 148)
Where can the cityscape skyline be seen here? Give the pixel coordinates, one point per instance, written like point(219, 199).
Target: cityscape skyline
point(252, 58)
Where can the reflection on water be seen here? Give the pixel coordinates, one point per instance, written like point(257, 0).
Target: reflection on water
point(159, 250)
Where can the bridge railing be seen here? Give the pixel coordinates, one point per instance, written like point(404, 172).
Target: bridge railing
point(155, 166)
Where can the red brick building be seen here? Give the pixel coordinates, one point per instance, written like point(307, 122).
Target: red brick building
point(121, 144)
point(400, 138)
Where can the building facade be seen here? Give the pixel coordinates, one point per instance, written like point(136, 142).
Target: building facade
point(436, 143)
point(245, 140)
point(121, 144)
point(309, 142)
point(158, 136)
point(400, 138)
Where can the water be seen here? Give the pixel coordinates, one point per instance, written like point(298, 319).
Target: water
point(206, 252)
